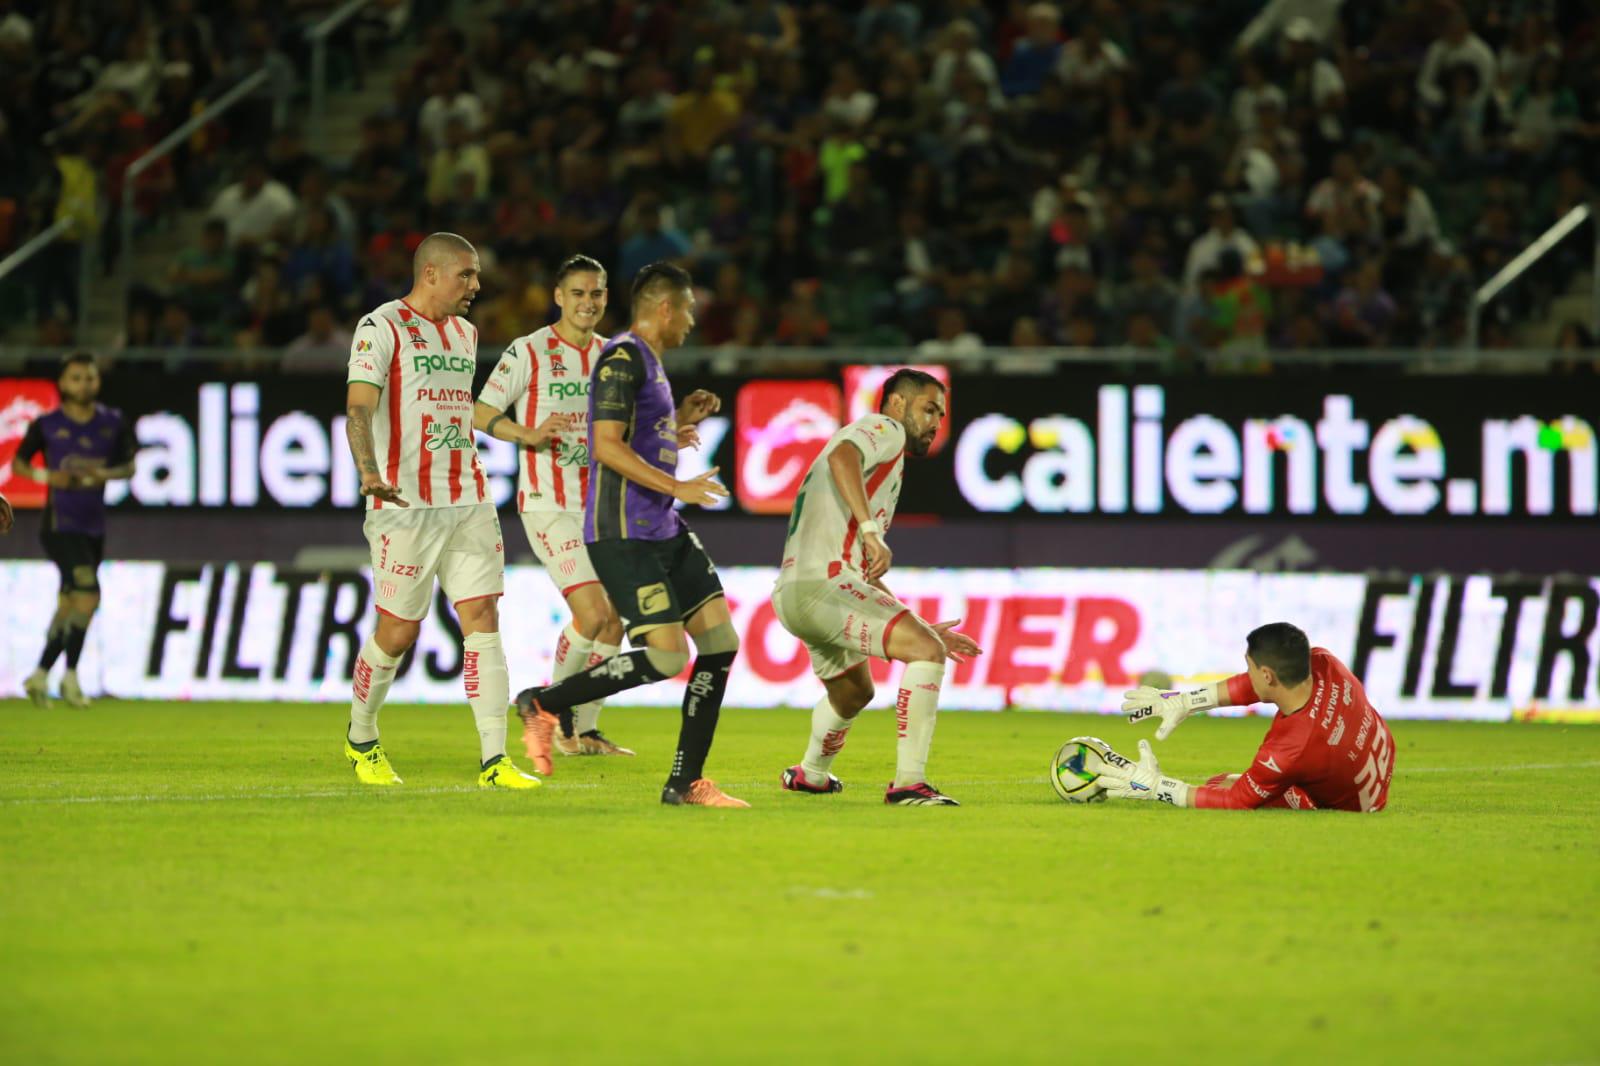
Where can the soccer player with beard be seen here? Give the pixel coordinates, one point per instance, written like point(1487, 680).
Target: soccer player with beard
point(830, 592)
point(651, 565)
point(85, 445)
point(1327, 747)
point(544, 377)
point(409, 401)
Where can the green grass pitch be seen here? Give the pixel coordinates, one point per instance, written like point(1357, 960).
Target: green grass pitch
point(206, 883)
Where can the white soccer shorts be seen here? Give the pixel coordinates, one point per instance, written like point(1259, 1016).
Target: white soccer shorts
point(842, 620)
point(461, 546)
point(556, 537)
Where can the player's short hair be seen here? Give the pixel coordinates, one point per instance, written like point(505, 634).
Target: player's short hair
point(1283, 647)
point(72, 359)
point(436, 246)
point(907, 380)
point(575, 264)
point(658, 281)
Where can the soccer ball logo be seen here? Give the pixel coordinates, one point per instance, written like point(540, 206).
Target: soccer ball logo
point(1075, 771)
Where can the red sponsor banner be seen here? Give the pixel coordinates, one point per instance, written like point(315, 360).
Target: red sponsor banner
point(781, 427)
point(21, 401)
point(863, 386)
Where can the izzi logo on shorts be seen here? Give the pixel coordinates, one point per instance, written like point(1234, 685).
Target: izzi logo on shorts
point(427, 364)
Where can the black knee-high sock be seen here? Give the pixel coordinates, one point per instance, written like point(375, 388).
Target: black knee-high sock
point(76, 632)
point(55, 642)
point(702, 704)
point(625, 671)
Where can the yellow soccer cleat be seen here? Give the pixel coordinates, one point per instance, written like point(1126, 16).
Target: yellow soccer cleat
point(371, 766)
point(503, 773)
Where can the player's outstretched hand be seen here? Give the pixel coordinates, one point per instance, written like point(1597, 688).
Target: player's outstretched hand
point(688, 437)
point(5, 515)
point(701, 491)
point(1122, 778)
point(697, 407)
point(875, 556)
point(958, 647)
point(1170, 706)
point(373, 485)
point(551, 427)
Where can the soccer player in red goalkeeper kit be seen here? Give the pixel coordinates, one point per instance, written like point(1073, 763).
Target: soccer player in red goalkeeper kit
point(1327, 747)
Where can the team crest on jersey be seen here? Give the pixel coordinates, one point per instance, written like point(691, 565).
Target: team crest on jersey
point(558, 367)
point(363, 346)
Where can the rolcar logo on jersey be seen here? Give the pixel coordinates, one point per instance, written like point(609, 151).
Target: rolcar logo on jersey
point(427, 364)
point(566, 390)
point(447, 437)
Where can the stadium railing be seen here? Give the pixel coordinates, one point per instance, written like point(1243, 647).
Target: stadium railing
point(159, 151)
point(61, 228)
point(1014, 362)
point(1536, 250)
point(318, 36)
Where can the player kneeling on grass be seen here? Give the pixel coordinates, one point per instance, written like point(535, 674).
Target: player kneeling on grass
point(830, 591)
point(409, 399)
point(1327, 747)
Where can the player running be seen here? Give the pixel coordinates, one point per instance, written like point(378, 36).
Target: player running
point(831, 595)
point(544, 376)
point(1328, 747)
point(429, 513)
point(85, 445)
point(648, 561)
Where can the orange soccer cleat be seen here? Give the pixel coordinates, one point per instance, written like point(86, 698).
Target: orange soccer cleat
point(703, 792)
point(538, 731)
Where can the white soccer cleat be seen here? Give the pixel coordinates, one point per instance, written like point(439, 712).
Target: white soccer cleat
point(72, 692)
point(37, 688)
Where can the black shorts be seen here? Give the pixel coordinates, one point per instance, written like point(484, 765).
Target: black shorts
point(77, 556)
point(655, 583)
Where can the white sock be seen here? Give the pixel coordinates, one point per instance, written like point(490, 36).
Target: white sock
point(916, 708)
point(828, 731)
point(586, 716)
point(374, 674)
point(488, 683)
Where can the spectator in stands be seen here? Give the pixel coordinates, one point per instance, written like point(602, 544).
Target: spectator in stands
point(1457, 47)
point(1363, 314)
point(255, 208)
point(1035, 55)
point(449, 102)
point(700, 117)
point(319, 252)
point(1205, 254)
point(1089, 58)
point(651, 243)
point(202, 277)
point(952, 339)
point(460, 169)
point(324, 346)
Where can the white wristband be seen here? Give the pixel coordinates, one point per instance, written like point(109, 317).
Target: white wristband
point(870, 527)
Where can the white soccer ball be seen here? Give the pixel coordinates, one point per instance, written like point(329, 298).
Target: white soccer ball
point(1075, 771)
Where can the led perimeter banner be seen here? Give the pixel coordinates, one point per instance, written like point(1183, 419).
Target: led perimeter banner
point(1425, 646)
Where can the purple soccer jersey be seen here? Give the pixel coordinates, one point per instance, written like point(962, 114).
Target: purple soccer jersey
point(76, 447)
point(629, 386)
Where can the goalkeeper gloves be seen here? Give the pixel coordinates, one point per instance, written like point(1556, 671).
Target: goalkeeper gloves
point(1170, 706)
point(1124, 779)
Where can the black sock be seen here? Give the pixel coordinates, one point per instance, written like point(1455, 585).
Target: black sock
point(75, 637)
point(702, 704)
point(363, 746)
point(55, 642)
point(625, 671)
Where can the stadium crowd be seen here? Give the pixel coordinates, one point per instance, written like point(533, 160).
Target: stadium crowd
point(1231, 177)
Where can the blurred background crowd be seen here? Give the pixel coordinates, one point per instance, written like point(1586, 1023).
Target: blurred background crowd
point(1230, 177)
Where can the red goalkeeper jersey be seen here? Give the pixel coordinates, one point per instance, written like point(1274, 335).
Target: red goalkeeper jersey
point(1336, 751)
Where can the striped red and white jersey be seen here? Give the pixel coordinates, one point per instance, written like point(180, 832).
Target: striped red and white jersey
point(422, 430)
point(540, 375)
point(823, 539)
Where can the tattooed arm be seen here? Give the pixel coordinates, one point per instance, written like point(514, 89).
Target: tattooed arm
point(361, 399)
